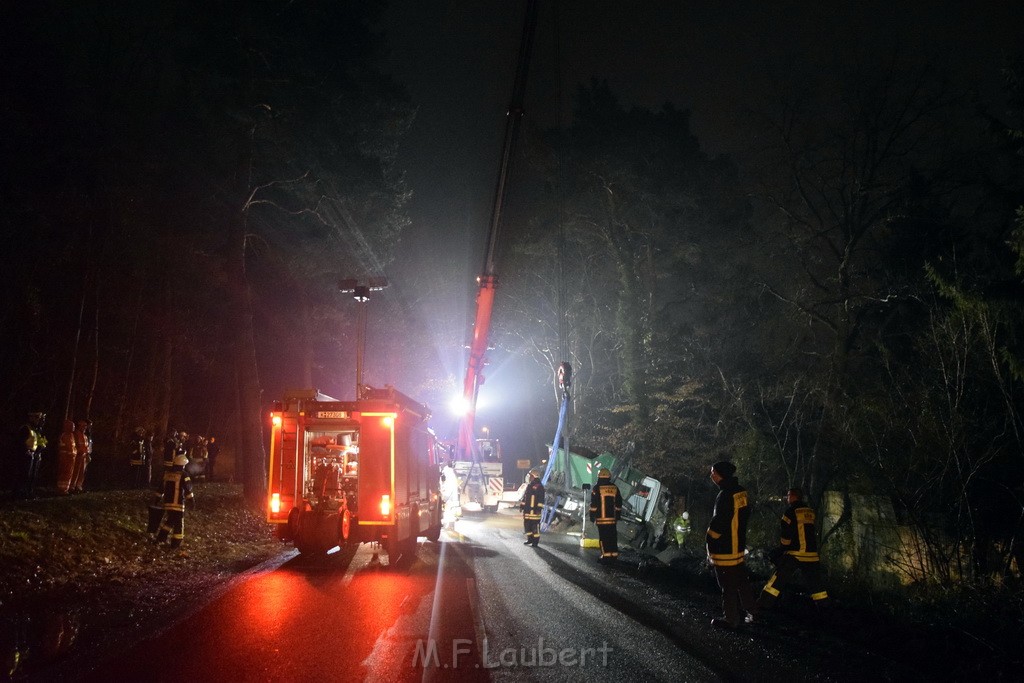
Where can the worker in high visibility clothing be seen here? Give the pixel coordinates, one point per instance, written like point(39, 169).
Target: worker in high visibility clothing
point(727, 548)
point(605, 509)
point(67, 451)
point(532, 505)
point(797, 553)
point(177, 490)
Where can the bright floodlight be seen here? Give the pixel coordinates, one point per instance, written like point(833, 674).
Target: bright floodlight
point(459, 405)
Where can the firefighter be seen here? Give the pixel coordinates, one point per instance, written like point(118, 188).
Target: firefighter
point(175, 493)
point(83, 444)
point(138, 460)
point(67, 451)
point(170, 449)
point(726, 545)
point(797, 553)
point(29, 453)
point(605, 509)
point(450, 496)
point(212, 450)
point(532, 504)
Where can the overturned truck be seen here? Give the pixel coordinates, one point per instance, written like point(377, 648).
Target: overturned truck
point(645, 502)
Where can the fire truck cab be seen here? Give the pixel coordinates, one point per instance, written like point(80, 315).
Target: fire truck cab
point(350, 472)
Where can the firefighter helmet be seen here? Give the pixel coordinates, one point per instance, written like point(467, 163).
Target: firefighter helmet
point(605, 473)
point(180, 460)
point(535, 473)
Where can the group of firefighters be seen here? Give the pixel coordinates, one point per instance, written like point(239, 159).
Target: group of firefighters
point(172, 488)
point(796, 553)
point(74, 450)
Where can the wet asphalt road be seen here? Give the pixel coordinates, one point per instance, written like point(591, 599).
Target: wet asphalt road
point(479, 605)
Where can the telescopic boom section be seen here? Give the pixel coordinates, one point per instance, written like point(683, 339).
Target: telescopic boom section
point(488, 281)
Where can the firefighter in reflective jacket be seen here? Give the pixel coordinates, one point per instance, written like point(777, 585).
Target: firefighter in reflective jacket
point(532, 504)
point(605, 509)
point(797, 553)
point(177, 490)
point(727, 549)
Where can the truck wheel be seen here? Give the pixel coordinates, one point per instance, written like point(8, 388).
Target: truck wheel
point(434, 532)
point(294, 526)
point(401, 553)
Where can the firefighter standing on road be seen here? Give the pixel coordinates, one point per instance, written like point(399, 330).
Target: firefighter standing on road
point(605, 509)
point(727, 549)
point(450, 496)
point(177, 491)
point(797, 553)
point(532, 505)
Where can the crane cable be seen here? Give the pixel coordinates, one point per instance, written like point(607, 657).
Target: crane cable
point(552, 503)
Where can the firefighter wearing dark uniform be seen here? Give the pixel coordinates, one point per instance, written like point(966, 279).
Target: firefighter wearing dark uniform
point(177, 490)
point(726, 546)
point(797, 553)
point(605, 509)
point(138, 460)
point(170, 449)
point(532, 505)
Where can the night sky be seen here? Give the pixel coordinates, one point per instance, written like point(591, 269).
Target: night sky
point(720, 59)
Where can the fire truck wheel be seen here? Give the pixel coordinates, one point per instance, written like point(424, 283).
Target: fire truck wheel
point(401, 553)
point(294, 524)
point(433, 533)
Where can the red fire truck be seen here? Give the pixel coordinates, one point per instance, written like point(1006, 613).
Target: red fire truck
point(350, 472)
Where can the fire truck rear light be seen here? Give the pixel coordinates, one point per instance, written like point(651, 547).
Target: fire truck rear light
point(388, 421)
point(276, 420)
point(275, 503)
point(385, 505)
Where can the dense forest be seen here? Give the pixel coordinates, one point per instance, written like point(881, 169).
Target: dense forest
point(840, 309)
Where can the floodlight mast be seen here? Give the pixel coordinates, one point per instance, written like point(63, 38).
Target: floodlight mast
point(487, 282)
point(360, 291)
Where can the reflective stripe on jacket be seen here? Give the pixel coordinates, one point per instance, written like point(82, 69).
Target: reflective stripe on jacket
point(533, 500)
point(177, 488)
point(605, 502)
point(799, 536)
point(727, 532)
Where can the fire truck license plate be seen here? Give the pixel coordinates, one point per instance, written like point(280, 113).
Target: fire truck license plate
point(331, 414)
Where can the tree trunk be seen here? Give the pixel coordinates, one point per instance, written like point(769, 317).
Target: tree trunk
point(249, 447)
